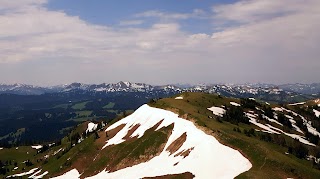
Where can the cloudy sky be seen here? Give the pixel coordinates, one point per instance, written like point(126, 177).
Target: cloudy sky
point(48, 42)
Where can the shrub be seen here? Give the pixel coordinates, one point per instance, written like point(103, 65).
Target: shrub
point(284, 120)
point(248, 103)
point(298, 149)
point(235, 115)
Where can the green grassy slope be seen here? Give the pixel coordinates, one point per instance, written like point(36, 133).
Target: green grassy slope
point(87, 156)
point(269, 160)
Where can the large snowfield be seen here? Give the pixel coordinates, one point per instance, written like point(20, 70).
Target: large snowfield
point(208, 158)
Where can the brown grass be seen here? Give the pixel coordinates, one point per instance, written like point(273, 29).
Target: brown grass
point(114, 131)
point(184, 153)
point(131, 131)
point(186, 175)
point(175, 145)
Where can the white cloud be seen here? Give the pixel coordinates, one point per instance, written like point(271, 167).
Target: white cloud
point(196, 13)
point(247, 11)
point(277, 45)
point(21, 5)
point(131, 22)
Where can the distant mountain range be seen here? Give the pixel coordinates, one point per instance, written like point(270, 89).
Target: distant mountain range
point(269, 92)
point(24, 89)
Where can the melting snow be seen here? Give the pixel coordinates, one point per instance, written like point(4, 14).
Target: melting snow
point(317, 113)
point(36, 173)
point(208, 159)
point(80, 140)
point(56, 152)
point(42, 175)
point(277, 109)
point(23, 174)
point(262, 126)
point(91, 127)
point(294, 104)
point(293, 122)
point(235, 104)
point(273, 130)
point(309, 126)
point(217, 111)
point(36, 147)
point(179, 97)
point(272, 120)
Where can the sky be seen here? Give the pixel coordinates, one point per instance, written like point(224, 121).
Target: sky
point(51, 42)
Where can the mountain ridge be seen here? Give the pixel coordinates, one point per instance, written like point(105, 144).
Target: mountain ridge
point(268, 92)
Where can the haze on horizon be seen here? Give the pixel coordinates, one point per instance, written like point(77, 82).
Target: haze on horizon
point(50, 42)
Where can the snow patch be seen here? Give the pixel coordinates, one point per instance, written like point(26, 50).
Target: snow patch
point(278, 109)
point(311, 157)
point(36, 147)
point(317, 113)
point(80, 140)
point(271, 120)
point(23, 174)
point(179, 97)
point(42, 175)
point(235, 104)
point(293, 123)
point(56, 152)
point(217, 111)
point(253, 120)
point(91, 127)
point(273, 130)
point(294, 104)
point(309, 126)
point(36, 173)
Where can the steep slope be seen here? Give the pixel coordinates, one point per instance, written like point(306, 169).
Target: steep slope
point(188, 149)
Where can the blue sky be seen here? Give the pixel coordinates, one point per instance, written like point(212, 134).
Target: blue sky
point(48, 42)
point(112, 12)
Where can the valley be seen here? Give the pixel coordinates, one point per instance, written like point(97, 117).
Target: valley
point(27, 111)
